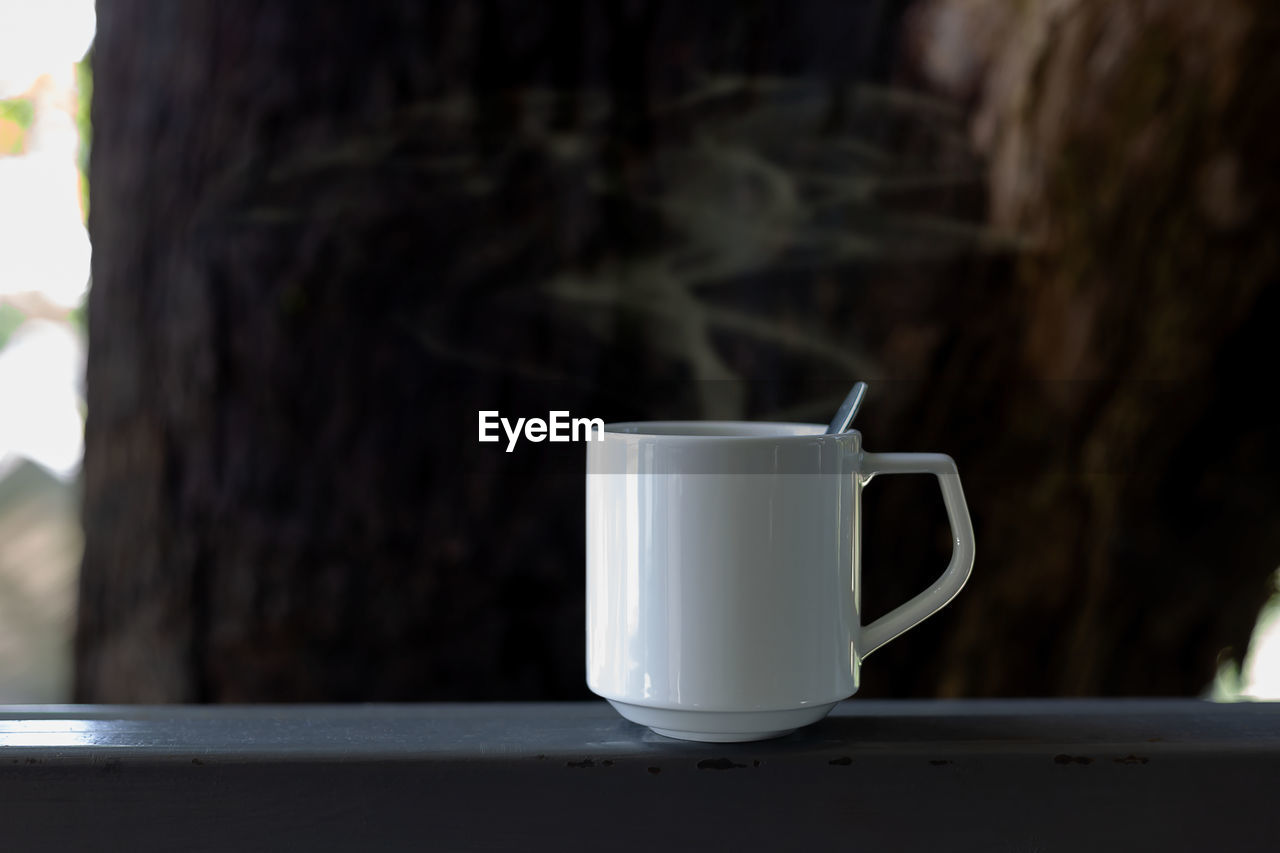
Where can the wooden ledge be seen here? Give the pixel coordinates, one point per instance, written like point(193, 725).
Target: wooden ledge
point(876, 775)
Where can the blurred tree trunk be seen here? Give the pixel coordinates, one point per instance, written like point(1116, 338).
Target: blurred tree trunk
point(276, 506)
point(1130, 146)
point(323, 241)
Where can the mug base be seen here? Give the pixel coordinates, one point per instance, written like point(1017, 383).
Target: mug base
point(721, 726)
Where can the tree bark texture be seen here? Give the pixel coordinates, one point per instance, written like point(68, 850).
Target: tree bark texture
point(1129, 145)
point(325, 240)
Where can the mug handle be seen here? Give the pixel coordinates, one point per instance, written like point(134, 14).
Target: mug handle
point(933, 599)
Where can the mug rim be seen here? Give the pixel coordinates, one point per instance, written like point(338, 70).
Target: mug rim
point(716, 430)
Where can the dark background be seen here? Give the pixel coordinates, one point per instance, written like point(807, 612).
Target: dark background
point(325, 236)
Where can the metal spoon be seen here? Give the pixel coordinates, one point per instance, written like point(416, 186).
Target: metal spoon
point(849, 408)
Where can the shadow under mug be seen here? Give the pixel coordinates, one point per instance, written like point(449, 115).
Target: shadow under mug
point(723, 566)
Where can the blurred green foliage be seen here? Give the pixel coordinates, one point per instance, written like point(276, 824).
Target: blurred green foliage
point(79, 318)
point(10, 319)
point(84, 86)
point(16, 116)
point(18, 110)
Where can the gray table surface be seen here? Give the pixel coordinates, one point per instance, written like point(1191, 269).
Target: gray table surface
point(875, 775)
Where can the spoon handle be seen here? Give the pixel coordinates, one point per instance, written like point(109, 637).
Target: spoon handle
point(849, 408)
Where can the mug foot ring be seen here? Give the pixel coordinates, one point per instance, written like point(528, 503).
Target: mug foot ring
point(722, 726)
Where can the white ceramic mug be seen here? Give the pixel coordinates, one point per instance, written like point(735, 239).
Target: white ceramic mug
point(722, 572)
